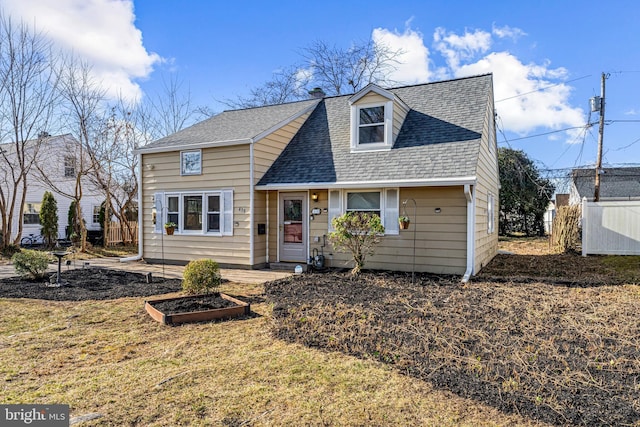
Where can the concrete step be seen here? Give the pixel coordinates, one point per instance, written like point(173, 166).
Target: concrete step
point(287, 266)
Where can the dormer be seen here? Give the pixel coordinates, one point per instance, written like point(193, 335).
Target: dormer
point(376, 118)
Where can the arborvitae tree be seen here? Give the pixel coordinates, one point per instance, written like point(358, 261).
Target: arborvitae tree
point(71, 220)
point(49, 219)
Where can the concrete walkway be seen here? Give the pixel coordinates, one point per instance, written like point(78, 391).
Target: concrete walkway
point(158, 270)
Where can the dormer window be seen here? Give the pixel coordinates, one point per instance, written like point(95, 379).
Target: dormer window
point(371, 126)
point(376, 118)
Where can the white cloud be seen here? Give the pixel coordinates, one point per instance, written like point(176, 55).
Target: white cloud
point(457, 49)
point(507, 32)
point(632, 112)
point(102, 32)
point(413, 66)
point(537, 96)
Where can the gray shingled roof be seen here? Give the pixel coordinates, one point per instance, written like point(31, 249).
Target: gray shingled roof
point(615, 183)
point(232, 125)
point(439, 139)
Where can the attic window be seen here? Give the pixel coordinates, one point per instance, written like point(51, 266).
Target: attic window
point(371, 126)
point(69, 166)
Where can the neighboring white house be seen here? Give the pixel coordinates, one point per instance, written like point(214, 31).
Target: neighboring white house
point(616, 184)
point(57, 155)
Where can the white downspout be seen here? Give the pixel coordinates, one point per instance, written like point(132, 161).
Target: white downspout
point(251, 202)
point(471, 220)
point(140, 209)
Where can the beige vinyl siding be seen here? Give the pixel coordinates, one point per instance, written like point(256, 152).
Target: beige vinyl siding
point(399, 114)
point(223, 168)
point(486, 244)
point(267, 149)
point(260, 240)
point(441, 238)
point(372, 98)
point(272, 229)
point(320, 225)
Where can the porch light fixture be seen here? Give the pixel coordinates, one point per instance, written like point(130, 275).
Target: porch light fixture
point(314, 197)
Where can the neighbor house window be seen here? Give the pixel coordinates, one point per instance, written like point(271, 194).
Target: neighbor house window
point(31, 214)
point(207, 212)
point(191, 162)
point(96, 215)
point(69, 166)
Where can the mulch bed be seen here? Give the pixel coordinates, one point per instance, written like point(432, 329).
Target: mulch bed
point(564, 350)
point(197, 303)
point(89, 284)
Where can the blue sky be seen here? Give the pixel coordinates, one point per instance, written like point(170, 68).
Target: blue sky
point(547, 56)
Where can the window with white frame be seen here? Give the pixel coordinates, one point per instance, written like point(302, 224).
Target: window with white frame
point(31, 213)
point(191, 162)
point(490, 213)
point(381, 202)
point(371, 126)
point(95, 218)
point(69, 166)
point(205, 212)
point(365, 201)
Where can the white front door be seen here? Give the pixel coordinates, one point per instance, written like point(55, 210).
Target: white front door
point(292, 214)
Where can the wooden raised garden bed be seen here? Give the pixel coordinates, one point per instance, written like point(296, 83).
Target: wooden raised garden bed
point(195, 308)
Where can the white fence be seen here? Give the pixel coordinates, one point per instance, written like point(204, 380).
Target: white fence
point(611, 228)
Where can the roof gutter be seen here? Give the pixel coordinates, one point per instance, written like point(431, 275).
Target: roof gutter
point(140, 225)
point(434, 182)
point(471, 220)
point(178, 147)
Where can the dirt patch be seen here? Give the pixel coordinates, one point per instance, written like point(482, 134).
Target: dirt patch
point(89, 284)
point(562, 351)
point(188, 305)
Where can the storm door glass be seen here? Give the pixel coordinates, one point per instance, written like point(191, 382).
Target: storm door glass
point(292, 221)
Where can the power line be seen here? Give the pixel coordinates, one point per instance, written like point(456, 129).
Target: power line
point(586, 126)
point(543, 88)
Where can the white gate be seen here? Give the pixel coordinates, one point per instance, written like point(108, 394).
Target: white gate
point(611, 228)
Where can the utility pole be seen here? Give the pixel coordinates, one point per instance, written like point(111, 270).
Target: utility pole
point(596, 196)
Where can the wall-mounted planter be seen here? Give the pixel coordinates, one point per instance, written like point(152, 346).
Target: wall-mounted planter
point(195, 308)
point(170, 231)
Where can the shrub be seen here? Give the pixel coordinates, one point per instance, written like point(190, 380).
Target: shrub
point(9, 250)
point(49, 219)
point(566, 228)
point(358, 233)
point(201, 276)
point(31, 263)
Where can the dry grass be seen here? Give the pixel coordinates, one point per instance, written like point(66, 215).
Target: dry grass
point(109, 357)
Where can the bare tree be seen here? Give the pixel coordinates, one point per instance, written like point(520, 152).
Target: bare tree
point(337, 70)
point(27, 92)
point(334, 69)
point(81, 110)
point(117, 175)
point(171, 108)
point(285, 85)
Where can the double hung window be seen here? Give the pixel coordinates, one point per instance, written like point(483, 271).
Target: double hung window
point(381, 202)
point(205, 212)
point(31, 214)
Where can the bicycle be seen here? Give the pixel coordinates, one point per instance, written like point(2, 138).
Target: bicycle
point(31, 240)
